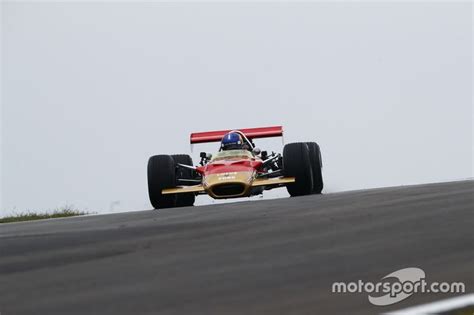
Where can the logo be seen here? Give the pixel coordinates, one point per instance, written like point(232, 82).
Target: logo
point(226, 176)
point(405, 286)
point(397, 286)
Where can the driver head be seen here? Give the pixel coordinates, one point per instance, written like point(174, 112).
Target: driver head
point(232, 141)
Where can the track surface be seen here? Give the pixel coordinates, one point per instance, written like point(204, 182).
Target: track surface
point(275, 256)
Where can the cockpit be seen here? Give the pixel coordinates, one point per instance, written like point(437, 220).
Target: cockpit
point(233, 155)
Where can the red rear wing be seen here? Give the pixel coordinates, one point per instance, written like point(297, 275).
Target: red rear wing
point(251, 133)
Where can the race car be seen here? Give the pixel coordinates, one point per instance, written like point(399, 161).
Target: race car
point(238, 169)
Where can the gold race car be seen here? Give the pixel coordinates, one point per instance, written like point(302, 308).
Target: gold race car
point(238, 169)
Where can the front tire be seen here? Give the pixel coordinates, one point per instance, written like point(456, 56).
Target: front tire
point(316, 166)
point(184, 200)
point(297, 163)
point(161, 175)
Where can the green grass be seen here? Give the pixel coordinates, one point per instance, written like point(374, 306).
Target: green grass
point(66, 211)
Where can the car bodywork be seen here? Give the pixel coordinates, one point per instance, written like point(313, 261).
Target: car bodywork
point(234, 173)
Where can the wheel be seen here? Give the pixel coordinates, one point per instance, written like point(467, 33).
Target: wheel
point(316, 166)
point(161, 174)
point(184, 200)
point(297, 163)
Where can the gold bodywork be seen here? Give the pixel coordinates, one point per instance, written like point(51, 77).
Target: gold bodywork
point(230, 185)
point(241, 181)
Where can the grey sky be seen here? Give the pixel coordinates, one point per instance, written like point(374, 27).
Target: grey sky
point(91, 90)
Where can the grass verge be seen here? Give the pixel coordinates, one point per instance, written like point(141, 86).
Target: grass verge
point(66, 211)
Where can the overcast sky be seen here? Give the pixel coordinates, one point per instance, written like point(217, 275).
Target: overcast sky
point(91, 90)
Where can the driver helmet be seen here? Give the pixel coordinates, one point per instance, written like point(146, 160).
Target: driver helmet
point(232, 141)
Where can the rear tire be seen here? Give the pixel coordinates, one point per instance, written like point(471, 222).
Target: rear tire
point(184, 200)
point(297, 163)
point(316, 166)
point(161, 175)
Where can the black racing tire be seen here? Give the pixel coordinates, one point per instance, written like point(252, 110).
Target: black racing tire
point(316, 166)
point(184, 200)
point(297, 163)
point(161, 174)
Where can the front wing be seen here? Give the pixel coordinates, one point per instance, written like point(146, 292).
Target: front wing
point(256, 183)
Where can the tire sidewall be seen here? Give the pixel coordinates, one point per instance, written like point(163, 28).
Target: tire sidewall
point(161, 174)
point(297, 163)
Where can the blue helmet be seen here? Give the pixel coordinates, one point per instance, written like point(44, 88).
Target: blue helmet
point(231, 141)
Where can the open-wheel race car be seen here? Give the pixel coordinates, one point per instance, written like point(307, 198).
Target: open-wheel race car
point(238, 169)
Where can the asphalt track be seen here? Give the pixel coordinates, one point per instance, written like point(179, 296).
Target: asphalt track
point(269, 256)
